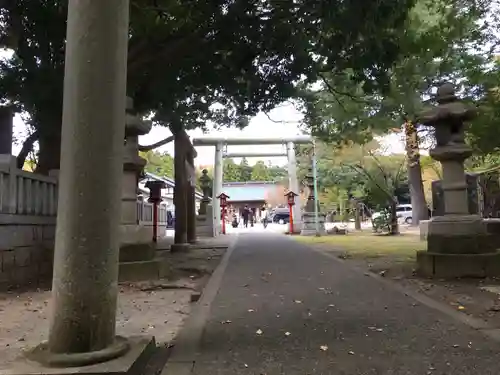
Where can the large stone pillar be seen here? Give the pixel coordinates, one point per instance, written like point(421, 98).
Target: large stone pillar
point(6, 128)
point(84, 289)
point(217, 188)
point(180, 194)
point(293, 185)
point(458, 244)
point(191, 200)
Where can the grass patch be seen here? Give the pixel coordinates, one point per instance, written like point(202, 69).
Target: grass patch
point(368, 245)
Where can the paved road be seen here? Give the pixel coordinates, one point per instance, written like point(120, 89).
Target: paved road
point(339, 321)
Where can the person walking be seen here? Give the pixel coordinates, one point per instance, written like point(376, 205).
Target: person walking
point(246, 216)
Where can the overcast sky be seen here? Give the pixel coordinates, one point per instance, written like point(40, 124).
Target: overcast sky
point(285, 123)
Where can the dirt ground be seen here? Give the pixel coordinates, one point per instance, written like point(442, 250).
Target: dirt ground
point(479, 298)
point(156, 308)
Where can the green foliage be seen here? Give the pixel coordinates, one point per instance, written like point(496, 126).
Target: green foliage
point(435, 46)
point(355, 171)
point(231, 171)
point(245, 170)
point(161, 164)
point(260, 172)
point(382, 223)
point(194, 61)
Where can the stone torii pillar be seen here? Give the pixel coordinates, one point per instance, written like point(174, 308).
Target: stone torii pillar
point(293, 184)
point(191, 199)
point(85, 281)
point(183, 152)
point(217, 187)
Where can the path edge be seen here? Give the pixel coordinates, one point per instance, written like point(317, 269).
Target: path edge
point(477, 324)
point(187, 342)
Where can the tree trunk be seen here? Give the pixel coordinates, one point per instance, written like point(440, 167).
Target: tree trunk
point(49, 153)
point(48, 125)
point(418, 202)
point(26, 149)
point(357, 216)
point(394, 227)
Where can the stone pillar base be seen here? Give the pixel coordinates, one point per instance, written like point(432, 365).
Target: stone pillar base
point(459, 246)
point(133, 360)
point(136, 234)
point(309, 224)
point(178, 248)
point(454, 234)
point(424, 229)
point(449, 266)
point(205, 223)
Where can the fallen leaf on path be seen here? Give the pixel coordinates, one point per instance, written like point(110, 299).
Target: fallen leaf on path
point(324, 347)
point(259, 332)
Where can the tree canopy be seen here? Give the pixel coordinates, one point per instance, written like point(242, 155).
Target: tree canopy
point(191, 62)
point(442, 41)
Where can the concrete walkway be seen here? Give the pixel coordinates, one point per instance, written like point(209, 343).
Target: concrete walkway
point(285, 309)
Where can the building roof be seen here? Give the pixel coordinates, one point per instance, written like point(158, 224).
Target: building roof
point(168, 181)
point(251, 191)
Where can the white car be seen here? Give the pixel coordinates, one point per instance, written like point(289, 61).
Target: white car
point(403, 213)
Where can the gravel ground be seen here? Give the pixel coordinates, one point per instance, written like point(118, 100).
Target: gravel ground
point(147, 308)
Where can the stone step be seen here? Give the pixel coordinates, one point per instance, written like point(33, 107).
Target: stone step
point(137, 252)
point(140, 270)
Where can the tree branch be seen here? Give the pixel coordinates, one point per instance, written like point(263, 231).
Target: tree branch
point(335, 92)
point(280, 122)
point(156, 145)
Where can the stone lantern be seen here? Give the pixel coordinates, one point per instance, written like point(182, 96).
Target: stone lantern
point(309, 216)
point(457, 242)
point(133, 166)
point(205, 183)
point(204, 221)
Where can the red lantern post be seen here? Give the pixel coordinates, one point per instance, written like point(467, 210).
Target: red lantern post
point(223, 204)
point(155, 198)
point(291, 202)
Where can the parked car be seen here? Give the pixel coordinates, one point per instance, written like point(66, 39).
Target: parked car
point(403, 213)
point(280, 216)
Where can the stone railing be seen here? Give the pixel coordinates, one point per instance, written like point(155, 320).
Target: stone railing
point(145, 213)
point(26, 193)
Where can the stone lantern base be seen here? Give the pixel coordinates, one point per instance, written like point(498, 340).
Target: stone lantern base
point(205, 223)
point(309, 224)
point(459, 246)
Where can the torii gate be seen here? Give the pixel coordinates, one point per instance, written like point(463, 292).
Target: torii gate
point(221, 143)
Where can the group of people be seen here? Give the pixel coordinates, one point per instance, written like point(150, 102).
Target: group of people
point(248, 217)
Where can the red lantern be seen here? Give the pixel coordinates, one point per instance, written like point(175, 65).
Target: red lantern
point(290, 196)
point(155, 187)
point(223, 203)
